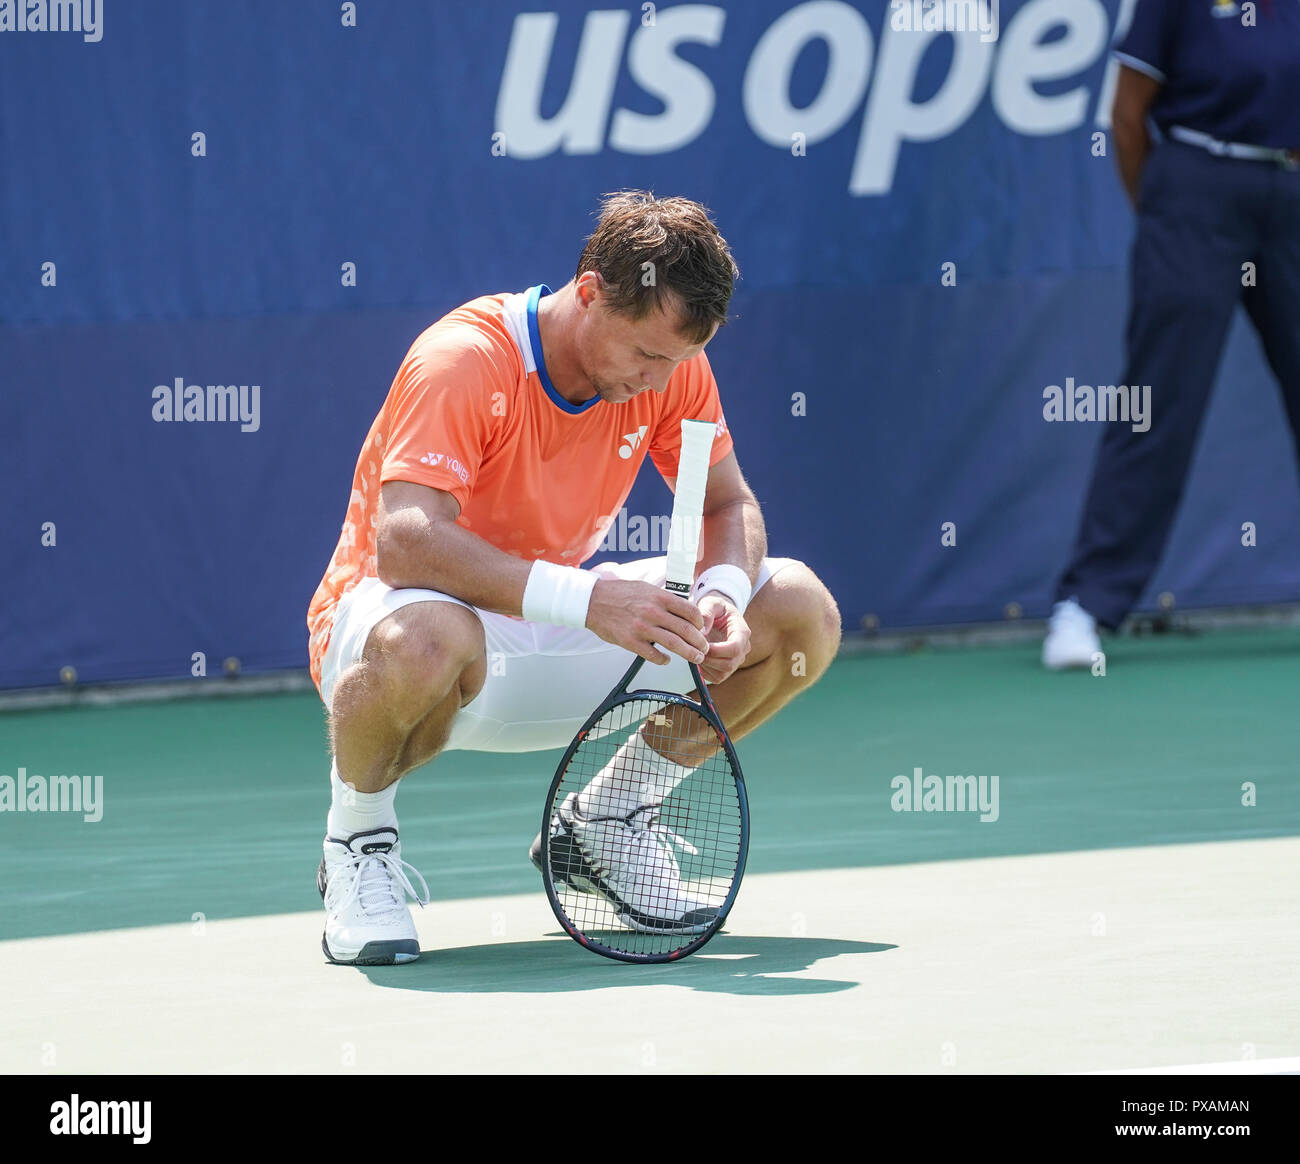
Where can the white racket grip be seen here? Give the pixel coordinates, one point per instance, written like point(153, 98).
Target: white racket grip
point(688, 503)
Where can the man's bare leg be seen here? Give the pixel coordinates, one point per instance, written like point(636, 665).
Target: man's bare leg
point(392, 711)
point(795, 632)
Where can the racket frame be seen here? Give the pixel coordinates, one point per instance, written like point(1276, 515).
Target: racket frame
point(683, 550)
point(621, 693)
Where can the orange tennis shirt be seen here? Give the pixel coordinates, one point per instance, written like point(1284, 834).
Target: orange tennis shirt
point(473, 412)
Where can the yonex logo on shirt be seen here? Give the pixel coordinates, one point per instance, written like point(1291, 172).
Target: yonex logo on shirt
point(633, 439)
point(449, 462)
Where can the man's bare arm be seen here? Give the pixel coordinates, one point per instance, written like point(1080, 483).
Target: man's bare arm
point(419, 545)
point(1133, 96)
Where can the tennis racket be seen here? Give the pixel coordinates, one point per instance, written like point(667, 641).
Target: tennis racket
point(646, 826)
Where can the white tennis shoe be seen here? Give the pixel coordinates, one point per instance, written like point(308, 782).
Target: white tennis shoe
point(364, 886)
point(1072, 639)
point(629, 862)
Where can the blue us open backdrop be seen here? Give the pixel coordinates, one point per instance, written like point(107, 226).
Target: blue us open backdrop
point(928, 234)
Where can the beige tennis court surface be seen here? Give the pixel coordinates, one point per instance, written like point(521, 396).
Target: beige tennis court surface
point(1068, 962)
point(1133, 906)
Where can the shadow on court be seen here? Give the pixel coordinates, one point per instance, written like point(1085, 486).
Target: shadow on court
point(730, 964)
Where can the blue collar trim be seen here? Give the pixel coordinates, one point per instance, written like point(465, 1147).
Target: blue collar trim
point(535, 338)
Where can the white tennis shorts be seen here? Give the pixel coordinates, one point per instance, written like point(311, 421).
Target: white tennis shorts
point(542, 682)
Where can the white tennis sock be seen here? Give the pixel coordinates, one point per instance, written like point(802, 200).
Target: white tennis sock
point(358, 812)
point(635, 775)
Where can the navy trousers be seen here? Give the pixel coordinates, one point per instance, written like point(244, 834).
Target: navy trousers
point(1200, 218)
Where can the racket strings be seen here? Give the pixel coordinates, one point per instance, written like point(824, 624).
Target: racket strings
point(647, 830)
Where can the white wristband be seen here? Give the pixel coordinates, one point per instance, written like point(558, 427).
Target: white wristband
point(731, 581)
point(558, 595)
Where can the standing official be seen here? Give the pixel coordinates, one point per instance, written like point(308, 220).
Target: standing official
point(1207, 133)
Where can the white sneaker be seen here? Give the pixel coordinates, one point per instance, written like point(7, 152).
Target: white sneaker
point(629, 862)
point(1071, 637)
point(364, 888)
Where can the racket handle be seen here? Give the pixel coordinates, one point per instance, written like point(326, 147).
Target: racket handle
point(688, 503)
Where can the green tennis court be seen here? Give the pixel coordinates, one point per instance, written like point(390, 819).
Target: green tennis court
point(1132, 905)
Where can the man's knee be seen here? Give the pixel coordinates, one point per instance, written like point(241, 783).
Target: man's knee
point(421, 653)
point(801, 612)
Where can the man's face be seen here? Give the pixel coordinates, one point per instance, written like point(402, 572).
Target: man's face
point(623, 357)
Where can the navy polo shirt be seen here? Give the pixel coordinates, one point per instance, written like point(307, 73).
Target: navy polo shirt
point(1234, 81)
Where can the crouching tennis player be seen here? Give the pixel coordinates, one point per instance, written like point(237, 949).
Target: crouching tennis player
point(455, 612)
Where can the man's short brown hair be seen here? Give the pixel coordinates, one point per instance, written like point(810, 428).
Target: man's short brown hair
point(662, 253)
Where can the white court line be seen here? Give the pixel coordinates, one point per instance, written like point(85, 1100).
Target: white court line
point(1232, 1067)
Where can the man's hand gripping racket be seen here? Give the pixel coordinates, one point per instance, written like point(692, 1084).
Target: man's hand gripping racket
point(646, 826)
